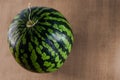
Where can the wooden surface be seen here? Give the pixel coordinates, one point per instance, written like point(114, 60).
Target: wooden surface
point(96, 51)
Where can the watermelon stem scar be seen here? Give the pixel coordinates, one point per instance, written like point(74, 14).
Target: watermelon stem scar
point(30, 23)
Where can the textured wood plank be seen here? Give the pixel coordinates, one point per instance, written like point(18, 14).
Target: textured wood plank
point(96, 51)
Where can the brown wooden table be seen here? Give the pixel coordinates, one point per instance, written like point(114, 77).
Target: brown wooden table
point(96, 51)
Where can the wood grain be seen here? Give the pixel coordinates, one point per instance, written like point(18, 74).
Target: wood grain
point(96, 51)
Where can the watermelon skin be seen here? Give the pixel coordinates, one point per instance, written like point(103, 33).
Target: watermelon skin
point(44, 46)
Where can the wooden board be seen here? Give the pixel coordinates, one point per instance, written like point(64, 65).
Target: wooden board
point(96, 51)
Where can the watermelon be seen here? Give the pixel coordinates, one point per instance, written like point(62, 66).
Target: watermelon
point(40, 39)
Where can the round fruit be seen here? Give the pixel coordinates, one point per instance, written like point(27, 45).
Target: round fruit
point(40, 39)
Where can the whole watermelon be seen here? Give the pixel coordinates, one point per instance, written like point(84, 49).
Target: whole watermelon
point(40, 39)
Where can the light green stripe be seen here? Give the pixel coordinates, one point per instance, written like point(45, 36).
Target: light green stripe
point(17, 57)
point(50, 31)
point(35, 40)
point(51, 68)
point(72, 38)
point(40, 28)
point(24, 60)
point(57, 59)
point(24, 38)
point(63, 54)
point(40, 11)
point(33, 58)
point(33, 11)
point(66, 42)
point(38, 34)
point(69, 33)
point(11, 49)
point(44, 56)
point(17, 16)
point(63, 28)
point(22, 50)
point(58, 13)
point(49, 48)
point(38, 68)
point(30, 48)
point(59, 64)
point(39, 49)
point(17, 50)
point(47, 64)
point(45, 23)
point(54, 40)
point(44, 14)
point(57, 19)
